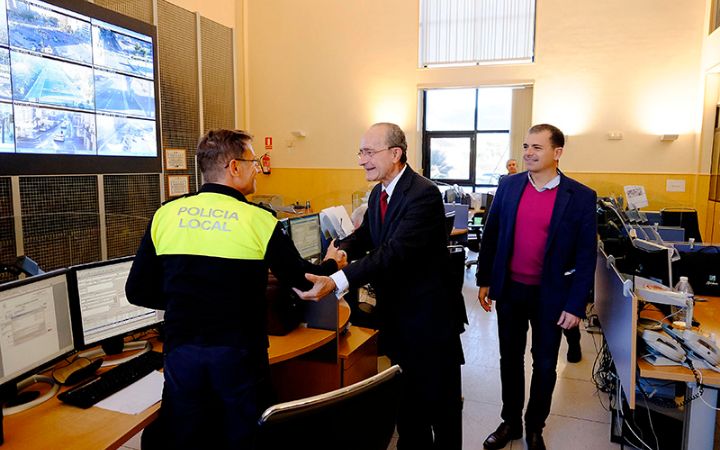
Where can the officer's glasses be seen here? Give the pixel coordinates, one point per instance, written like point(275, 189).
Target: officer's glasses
point(256, 161)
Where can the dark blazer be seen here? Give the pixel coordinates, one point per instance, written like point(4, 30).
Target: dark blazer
point(570, 252)
point(406, 259)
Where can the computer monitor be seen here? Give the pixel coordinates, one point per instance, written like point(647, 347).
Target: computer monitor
point(101, 312)
point(35, 333)
point(305, 233)
point(648, 260)
point(462, 213)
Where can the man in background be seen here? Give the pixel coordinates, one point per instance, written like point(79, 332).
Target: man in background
point(537, 261)
point(511, 166)
point(204, 260)
point(401, 248)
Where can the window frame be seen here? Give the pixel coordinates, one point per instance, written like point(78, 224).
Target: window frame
point(472, 134)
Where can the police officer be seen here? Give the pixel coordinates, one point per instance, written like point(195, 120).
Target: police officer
point(204, 259)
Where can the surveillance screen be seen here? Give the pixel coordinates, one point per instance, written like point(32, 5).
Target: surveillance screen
point(124, 95)
point(5, 86)
point(122, 50)
point(124, 135)
point(45, 130)
point(7, 131)
point(51, 82)
point(74, 85)
point(3, 25)
point(57, 32)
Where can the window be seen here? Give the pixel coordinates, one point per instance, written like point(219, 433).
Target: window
point(714, 16)
point(466, 135)
point(463, 32)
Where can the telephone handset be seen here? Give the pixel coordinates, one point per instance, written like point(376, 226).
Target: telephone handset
point(702, 346)
point(664, 345)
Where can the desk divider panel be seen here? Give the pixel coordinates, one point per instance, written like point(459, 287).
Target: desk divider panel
point(617, 310)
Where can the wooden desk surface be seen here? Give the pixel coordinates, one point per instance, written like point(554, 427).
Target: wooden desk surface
point(54, 424)
point(708, 315)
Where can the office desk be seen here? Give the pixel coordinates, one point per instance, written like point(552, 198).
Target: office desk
point(302, 340)
point(708, 315)
point(618, 317)
point(54, 424)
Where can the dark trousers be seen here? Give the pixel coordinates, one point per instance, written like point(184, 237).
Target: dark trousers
point(430, 414)
point(213, 394)
point(572, 336)
point(519, 307)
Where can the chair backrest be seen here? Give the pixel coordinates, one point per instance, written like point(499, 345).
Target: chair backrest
point(360, 416)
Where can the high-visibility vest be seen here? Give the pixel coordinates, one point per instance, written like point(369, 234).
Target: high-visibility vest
point(212, 224)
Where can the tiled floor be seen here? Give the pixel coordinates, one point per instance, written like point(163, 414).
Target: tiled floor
point(577, 419)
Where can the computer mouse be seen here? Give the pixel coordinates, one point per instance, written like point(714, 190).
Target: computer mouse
point(77, 371)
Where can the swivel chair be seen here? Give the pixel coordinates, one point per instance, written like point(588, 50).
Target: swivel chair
point(357, 417)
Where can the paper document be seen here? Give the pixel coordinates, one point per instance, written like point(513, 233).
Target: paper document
point(137, 397)
point(336, 222)
point(636, 196)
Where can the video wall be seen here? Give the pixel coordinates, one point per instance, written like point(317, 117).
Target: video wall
point(72, 84)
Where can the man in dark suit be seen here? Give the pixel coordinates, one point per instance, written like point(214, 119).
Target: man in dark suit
point(537, 260)
point(401, 248)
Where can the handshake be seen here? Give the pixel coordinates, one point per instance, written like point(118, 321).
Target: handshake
point(334, 252)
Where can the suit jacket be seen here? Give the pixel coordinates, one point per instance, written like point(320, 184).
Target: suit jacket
point(406, 259)
point(568, 270)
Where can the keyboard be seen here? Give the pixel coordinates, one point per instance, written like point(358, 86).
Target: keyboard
point(112, 381)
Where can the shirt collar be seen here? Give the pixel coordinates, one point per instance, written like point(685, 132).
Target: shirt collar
point(391, 187)
point(222, 189)
point(552, 184)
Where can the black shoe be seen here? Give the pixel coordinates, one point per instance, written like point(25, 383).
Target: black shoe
point(500, 437)
point(534, 440)
point(574, 354)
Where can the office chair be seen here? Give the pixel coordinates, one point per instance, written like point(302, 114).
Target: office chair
point(357, 417)
point(682, 217)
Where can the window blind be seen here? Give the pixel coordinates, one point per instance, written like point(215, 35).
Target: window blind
point(463, 32)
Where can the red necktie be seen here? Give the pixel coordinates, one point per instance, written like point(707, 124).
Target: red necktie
point(383, 205)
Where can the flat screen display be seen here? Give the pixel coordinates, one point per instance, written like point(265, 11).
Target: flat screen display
point(78, 90)
point(101, 309)
point(35, 324)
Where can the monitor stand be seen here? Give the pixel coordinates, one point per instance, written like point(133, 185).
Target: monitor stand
point(114, 349)
point(20, 400)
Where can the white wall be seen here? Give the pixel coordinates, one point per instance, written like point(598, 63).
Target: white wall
point(331, 68)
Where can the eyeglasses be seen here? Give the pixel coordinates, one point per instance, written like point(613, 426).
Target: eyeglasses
point(369, 153)
point(256, 161)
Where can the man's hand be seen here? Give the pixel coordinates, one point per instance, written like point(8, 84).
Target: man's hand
point(333, 252)
point(485, 302)
point(322, 286)
point(568, 320)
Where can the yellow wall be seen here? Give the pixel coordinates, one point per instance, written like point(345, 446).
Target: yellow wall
point(695, 195)
point(331, 68)
point(322, 187)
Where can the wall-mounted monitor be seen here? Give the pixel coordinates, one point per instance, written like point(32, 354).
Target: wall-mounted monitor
point(78, 90)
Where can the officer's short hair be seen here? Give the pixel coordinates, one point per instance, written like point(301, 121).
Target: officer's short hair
point(217, 148)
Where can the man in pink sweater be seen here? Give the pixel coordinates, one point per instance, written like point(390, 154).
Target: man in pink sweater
point(537, 261)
